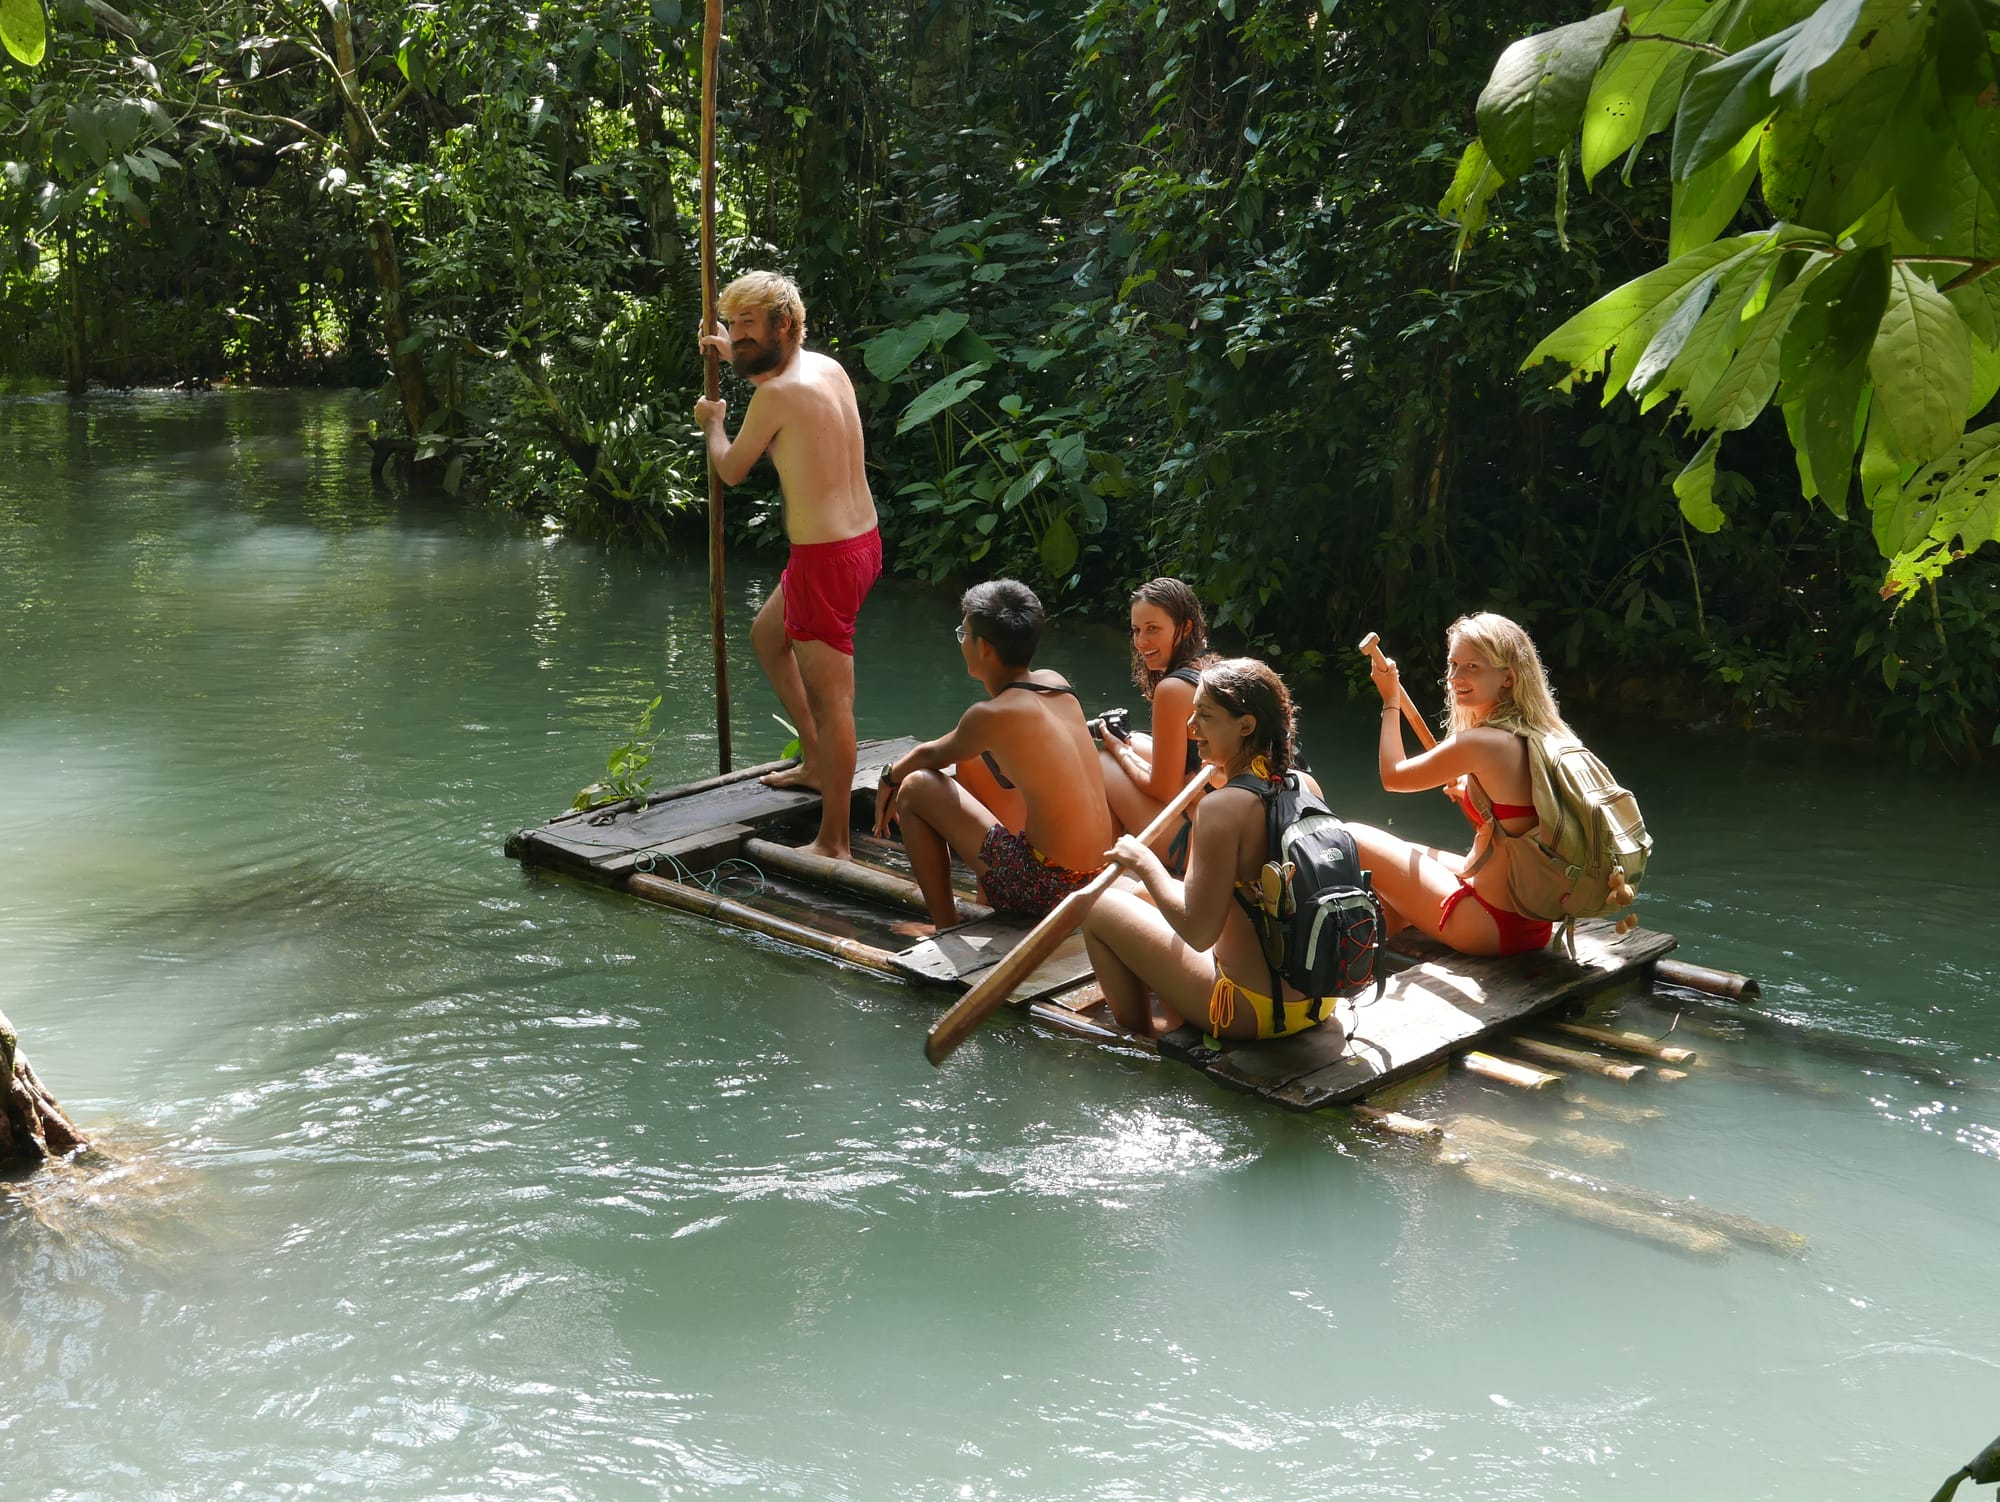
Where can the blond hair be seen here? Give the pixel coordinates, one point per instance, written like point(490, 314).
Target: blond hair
point(772, 291)
point(1530, 704)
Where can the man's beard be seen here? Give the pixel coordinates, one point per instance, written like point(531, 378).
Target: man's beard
point(758, 359)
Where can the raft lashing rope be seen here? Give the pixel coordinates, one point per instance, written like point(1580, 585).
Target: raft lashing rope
point(732, 875)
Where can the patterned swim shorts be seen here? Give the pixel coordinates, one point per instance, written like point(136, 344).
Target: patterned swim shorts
point(1019, 879)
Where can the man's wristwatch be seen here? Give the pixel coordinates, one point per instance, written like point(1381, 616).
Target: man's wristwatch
point(888, 777)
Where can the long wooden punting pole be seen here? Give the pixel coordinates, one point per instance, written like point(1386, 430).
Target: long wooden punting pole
point(998, 983)
point(711, 42)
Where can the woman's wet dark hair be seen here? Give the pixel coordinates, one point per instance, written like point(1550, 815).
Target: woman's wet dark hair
point(1245, 686)
point(1183, 608)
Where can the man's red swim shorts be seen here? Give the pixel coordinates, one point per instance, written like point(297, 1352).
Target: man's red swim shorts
point(824, 585)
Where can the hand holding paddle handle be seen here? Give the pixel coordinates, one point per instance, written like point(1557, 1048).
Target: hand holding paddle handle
point(1371, 646)
point(973, 1008)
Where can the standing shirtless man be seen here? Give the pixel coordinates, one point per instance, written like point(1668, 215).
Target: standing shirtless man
point(1031, 733)
point(803, 413)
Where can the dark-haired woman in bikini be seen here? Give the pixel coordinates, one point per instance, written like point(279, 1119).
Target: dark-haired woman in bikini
point(1169, 647)
point(1193, 946)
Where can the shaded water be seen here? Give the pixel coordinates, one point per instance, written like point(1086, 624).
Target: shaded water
point(433, 1180)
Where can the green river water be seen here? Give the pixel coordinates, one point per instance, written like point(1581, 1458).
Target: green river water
point(427, 1179)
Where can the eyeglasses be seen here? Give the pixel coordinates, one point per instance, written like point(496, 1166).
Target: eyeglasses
point(961, 631)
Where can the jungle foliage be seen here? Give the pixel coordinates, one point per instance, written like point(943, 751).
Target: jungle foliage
point(1128, 287)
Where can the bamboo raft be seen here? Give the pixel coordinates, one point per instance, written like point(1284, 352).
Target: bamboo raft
point(722, 849)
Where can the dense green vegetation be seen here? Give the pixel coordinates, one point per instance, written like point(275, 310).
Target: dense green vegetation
point(1130, 286)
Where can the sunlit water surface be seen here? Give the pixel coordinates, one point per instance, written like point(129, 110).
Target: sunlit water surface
point(430, 1180)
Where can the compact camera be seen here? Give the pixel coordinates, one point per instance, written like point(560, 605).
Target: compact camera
point(1115, 723)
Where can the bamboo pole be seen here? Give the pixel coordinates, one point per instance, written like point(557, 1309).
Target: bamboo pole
point(876, 885)
point(1507, 1071)
point(1576, 1058)
point(704, 904)
point(1525, 1180)
point(1637, 1043)
point(606, 812)
point(1702, 978)
point(711, 42)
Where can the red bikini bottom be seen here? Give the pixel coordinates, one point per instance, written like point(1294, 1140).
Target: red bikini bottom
point(1517, 934)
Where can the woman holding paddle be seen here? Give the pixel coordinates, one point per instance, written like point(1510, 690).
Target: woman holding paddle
point(1497, 692)
point(1192, 946)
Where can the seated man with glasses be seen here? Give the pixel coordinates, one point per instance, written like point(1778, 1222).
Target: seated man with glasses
point(1031, 733)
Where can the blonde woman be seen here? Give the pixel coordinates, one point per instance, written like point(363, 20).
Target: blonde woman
point(1498, 694)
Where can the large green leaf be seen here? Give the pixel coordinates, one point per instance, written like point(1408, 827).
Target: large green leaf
point(1707, 353)
point(1629, 316)
point(24, 30)
point(1695, 488)
point(1859, 163)
point(1955, 498)
point(1837, 321)
point(1665, 346)
point(940, 396)
point(1967, 75)
point(1619, 112)
point(1058, 548)
point(1819, 39)
point(1533, 103)
point(1830, 415)
point(1706, 202)
point(1464, 202)
point(1745, 387)
point(1724, 100)
point(1921, 362)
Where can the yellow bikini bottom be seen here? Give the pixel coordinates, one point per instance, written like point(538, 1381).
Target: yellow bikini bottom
point(1295, 1017)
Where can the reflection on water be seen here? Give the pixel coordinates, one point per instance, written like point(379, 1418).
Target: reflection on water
point(426, 1179)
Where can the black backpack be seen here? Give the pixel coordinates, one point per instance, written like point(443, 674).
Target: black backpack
point(1319, 921)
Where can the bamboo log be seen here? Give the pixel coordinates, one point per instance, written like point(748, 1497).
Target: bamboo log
point(1576, 1058)
point(608, 811)
point(1701, 978)
point(1742, 1228)
point(727, 910)
point(1525, 1180)
point(1397, 1124)
point(1637, 1043)
point(877, 885)
point(1508, 1071)
point(711, 44)
point(1484, 1130)
point(1590, 1104)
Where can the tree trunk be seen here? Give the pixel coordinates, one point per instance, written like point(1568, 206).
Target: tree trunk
point(412, 386)
point(76, 347)
point(32, 1126)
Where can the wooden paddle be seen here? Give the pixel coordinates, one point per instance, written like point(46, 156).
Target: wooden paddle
point(973, 1008)
point(1371, 646)
point(711, 41)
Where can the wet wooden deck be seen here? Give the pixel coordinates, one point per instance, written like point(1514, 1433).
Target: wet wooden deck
point(1437, 1004)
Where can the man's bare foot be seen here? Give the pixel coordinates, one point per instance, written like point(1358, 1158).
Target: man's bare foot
point(801, 776)
point(831, 852)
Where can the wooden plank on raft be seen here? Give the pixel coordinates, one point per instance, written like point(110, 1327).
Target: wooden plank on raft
point(611, 850)
point(1440, 1005)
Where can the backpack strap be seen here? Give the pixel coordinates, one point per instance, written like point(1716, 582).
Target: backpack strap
point(1249, 782)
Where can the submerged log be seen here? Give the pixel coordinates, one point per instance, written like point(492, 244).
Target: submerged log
point(1576, 1058)
point(1704, 979)
point(32, 1126)
point(1507, 1071)
point(1629, 1042)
